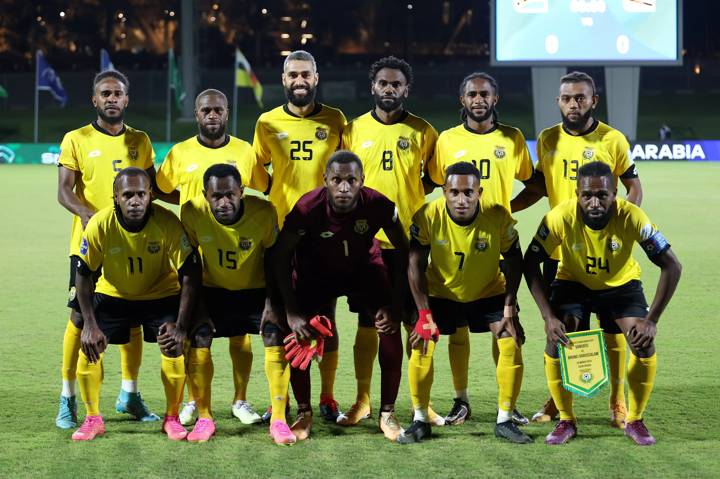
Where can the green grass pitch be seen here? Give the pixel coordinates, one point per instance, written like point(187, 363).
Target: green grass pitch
point(682, 198)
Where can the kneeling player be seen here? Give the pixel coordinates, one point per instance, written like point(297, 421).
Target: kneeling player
point(330, 232)
point(596, 233)
point(150, 275)
point(233, 233)
point(463, 285)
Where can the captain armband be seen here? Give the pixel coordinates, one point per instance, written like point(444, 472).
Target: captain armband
point(655, 245)
point(538, 250)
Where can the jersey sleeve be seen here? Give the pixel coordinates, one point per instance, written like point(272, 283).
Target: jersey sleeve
point(420, 228)
point(523, 166)
point(272, 230)
point(430, 137)
point(260, 178)
point(509, 235)
point(91, 245)
point(540, 151)
point(68, 154)
point(297, 221)
point(342, 124)
point(549, 234)
point(646, 234)
point(436, 165)
point(262, 153)
point(346, 142)
point(188, 217)
point(148, 158)
point(166, 178)
point(623, 163)
point(386, 211)
point(178, 245)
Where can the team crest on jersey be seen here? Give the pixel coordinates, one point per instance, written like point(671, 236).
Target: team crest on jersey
point(245, 244)
point(361, 227)
point(499, 152)
point(614, 244)
point(321, 133)
point(588, 153)
point(403, 143)
point(133, 153)
point(153, 247)
point(481, 244)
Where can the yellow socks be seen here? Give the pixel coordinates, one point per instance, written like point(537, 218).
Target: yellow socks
point(420, 376)
point(459, 355)
point(365, 351)
point(172, 372)
point(641, 379)
point(617, 357)
point(509, 373)
point(242, 357)
point(277, 371)
point(130, 360)
point(328, 367)
point(71, 348)
point(562, 397)
point(90, 377)
point(200, 375)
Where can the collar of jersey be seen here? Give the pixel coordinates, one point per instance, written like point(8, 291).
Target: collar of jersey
point(104, 131)
point(316, 110)
point(400, 119)
point(467, 128)
point(225, 142)
point(477, 212)
point(124, 225)
point(592, 128)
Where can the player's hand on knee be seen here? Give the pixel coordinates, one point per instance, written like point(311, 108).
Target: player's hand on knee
point(171, 339)
point(642, 334)
point(510, 325)
point(93, 343)
point(426, 329)
point(555, 331)
point(385, 322)
point(417, 342)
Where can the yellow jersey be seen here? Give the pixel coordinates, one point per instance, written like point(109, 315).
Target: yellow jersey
point(98, 156)
point(560, 156)
point(393, 158)
point(464, 260)
point(298, 149)
point(232, 255)
point(501, 155)
point(598, 259)
point(186, 162)
point(136, 266)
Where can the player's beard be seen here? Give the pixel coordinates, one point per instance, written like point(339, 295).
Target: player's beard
point(212, 135)
point(300, 101)
point(481, 118)
point(597, 223)
point(578, 124)
point(387, 106)
point(110, 120)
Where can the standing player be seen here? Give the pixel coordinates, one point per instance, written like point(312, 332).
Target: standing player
point(500, 153)
point(463, 286)
point(393, 145)
point(90, 158)
point(596, 234)
point(183, 169)
point(297, 139)
point(562, 150)
point(149, 274)
point(233, 232)
point(330, 233)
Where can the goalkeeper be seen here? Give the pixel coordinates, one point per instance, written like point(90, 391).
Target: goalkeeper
point(462, 286)
point(327, 247)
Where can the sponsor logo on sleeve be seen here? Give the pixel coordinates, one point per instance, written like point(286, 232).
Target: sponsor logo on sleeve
point(84, 246)
point(414, 230)
point(543, 232)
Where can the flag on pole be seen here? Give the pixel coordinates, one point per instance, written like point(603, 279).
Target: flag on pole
point(3, 92)
point(175, 80)
point(245, 78)
point(105, 63)
point(48, 80)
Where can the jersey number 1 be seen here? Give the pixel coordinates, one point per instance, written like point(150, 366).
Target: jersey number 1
point(132, 262)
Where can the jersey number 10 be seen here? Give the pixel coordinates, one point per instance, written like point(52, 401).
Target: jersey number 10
point(484, 167)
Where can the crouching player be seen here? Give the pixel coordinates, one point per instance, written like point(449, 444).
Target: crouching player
point(232, 233)
point(596, 233)
point(463, 286)
point(150, 276)
point(330, 233)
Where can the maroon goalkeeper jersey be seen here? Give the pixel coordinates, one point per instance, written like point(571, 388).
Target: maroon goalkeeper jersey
point(334, 246)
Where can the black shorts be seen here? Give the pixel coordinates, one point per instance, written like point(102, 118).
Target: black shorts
point(235, 313)
point(391, 258)
point(570, 297)
point(115, 316)
point(450, 315)
point(72, 295)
